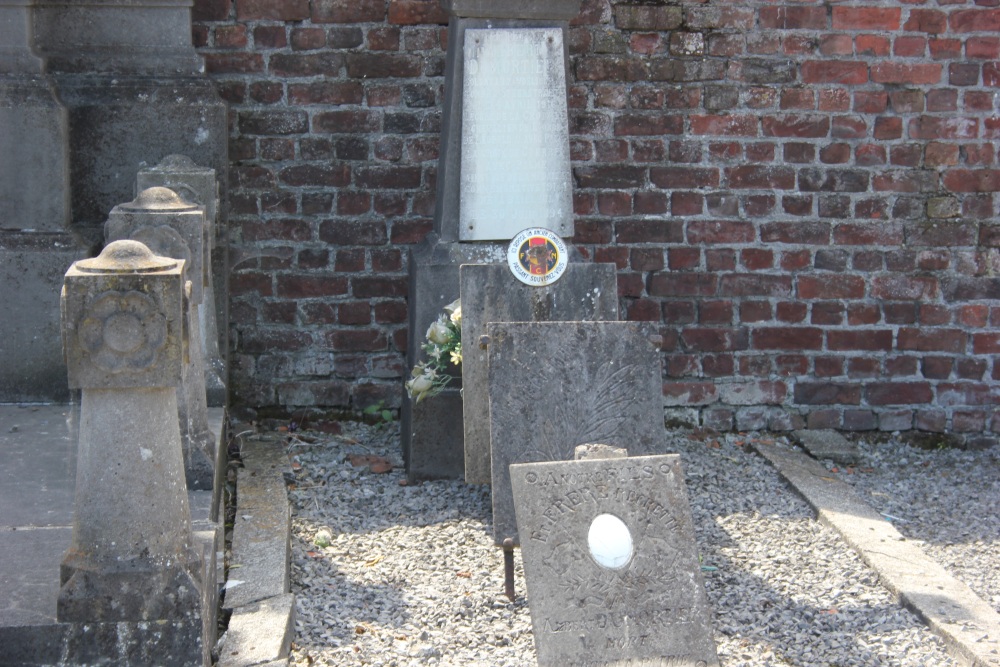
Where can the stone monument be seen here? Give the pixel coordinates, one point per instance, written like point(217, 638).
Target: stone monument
point(198, 185)
point(132, 557)
point(36, 245)
point(173, 227)
point(611, 564)
point(135, 92)
point(504, 167)
point(556, 385)
point(490, 293)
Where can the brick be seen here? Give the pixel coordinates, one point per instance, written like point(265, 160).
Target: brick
point(834, 71)
point(649, 231)
point(638, 17)
point(868, 234)
point(760, 177)
point(272, 10)
point(273, 122)
point(797, 126)
point(848, 127)
point(754, 284)
point(315, 175)
point(859, 420)
point(724, 125)
point(834, 286)
point(866, 18)
point(833, 180)
point(689, 393)
point(348, 11)
point(383, 65)
point(672, 284)
point(793, 18)
point(964, 393)
point(714, 339)
point(826, 393)
point(233, 63)
point(975, 20)
point(416, 12)
point(328, 92)
point(304, 286)
point(859, 339)
point(809, 233)
point(720, 231)
point(638, 124)
point(903, 288)
point(937, 127)
point(932, 340)
point(306, 64)
point(904, 73)
point(683, 177)
point(972, 180)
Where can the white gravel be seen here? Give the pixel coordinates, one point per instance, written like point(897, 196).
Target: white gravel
point(410, 576)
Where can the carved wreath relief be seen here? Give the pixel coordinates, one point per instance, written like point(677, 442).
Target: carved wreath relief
point(122, 331)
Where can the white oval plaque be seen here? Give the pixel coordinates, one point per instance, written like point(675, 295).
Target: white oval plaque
point(537, 256)
point(610, 541)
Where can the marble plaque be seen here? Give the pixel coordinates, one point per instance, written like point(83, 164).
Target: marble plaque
point(611, 564)
point(556, 385)
point(490, 293)
point(515, 170)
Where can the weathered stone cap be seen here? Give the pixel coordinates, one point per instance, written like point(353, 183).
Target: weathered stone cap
point(126, 257)
point(554, 10)
point(158, 199)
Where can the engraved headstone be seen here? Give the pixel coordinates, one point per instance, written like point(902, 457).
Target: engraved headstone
point(611, 564)
point(556, 385)
point(173, 227)
point(515, 170)
point(132, 556)
point(490, 293)
point(197, 185)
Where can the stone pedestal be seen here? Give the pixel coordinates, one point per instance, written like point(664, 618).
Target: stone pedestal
point(132, 557)
point(431, 444)
point(172, 227)
point(199, 185)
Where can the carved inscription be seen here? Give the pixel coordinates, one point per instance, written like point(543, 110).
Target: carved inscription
point(652, 610)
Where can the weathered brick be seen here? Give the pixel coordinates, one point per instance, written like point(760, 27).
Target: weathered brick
point(415, 12)
point(835, 71)
point(859, 339)
point(832, 286)
point(639, 17)
point(866, 18)
point(826, 393)
point(793, 18)
point(272, 10)
point(932, 340)
point(347, 11)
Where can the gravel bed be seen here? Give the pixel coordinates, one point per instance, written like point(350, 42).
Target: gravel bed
point(392, 574)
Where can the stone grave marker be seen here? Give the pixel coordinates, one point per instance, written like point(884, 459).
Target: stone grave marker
point(611, 565)
point(556, 385)
point(173, 227)
point(490, 293)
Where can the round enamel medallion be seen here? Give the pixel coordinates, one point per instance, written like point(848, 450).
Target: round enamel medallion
point(537, 256)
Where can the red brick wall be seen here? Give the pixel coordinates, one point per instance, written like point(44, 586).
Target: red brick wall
point(803, 194)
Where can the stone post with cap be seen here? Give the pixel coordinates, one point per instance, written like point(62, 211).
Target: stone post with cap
point(199, 185)
point(131, 558)
point(174, 227)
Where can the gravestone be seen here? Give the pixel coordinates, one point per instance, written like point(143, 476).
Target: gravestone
point(198, 185)
point(556, 385)
point(432, 435)
point(132, 556)
point(173, 227)
point(611, 564)
point(490, 293)
point(36, 245)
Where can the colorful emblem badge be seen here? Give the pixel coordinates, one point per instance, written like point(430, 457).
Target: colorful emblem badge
point(537, 256)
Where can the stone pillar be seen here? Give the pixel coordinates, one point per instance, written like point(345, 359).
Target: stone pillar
point(173, 227)
point(35, 246)
point(432, 433)
point(132, 557)
point(199, 185)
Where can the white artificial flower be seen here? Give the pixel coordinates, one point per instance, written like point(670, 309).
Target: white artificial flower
point(438, 333)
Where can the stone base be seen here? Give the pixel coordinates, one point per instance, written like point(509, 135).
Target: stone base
point(32, 266)
point(433, 435)
point(113, 593)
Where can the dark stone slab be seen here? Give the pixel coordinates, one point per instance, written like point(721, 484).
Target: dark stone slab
point(556, 385)
point(646, 605)
point(490, 293)
point(432, 434)
point(32, 266)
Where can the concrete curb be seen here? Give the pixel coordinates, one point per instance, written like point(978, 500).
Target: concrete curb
point(969, 626)
point(257, 589)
